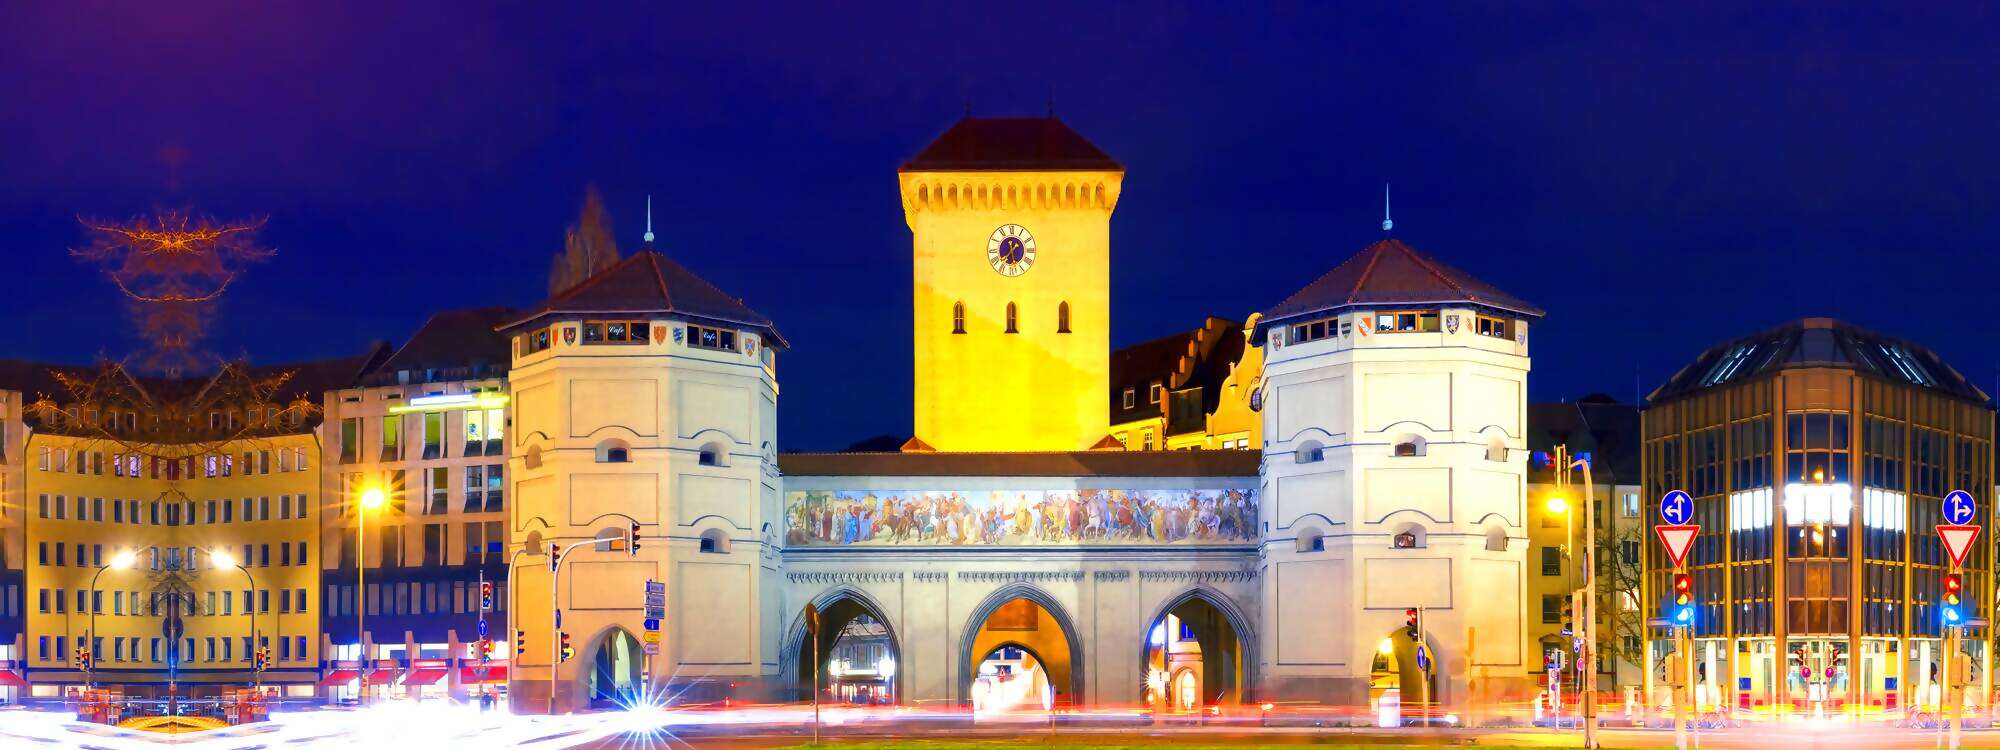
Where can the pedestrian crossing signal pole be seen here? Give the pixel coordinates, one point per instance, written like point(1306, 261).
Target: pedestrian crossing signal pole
point(812, 624)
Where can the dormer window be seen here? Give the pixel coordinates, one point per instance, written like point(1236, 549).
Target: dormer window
point(1499, 328)
point(1153, 392)
point(1407, 321)
point(1131, 396)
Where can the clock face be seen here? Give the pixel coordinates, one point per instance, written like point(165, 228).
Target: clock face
point(1011, 250)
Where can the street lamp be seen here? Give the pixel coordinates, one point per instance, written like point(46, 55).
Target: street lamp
point(222, 558)
point(122, 561)
point(1587, 660)
point(371, 499)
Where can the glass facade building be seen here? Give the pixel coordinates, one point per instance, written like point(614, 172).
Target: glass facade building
point(1818, 455)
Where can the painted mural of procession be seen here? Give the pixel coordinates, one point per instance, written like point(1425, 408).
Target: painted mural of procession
point(1021, 517)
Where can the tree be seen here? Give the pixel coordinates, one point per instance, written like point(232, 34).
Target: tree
point(1619, 550)
point(589, 245)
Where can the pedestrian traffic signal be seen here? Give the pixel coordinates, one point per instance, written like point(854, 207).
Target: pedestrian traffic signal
point(520, 642)
point(1410, 625)
point(555, 556)
point(1569, 616)
point(632, 540)
point(82, 657)
point(1683, 613)
point(263, 661)
point(485, 596)
point(1953, 614)
point(567, 650)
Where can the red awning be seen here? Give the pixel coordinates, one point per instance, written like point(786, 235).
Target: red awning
point(339, 677)
point(425, 676)
point(383, 676)
point(470, 675)
point(11, 678)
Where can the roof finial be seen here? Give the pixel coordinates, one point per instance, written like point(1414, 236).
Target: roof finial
point(1387, 224)
point(649, 220)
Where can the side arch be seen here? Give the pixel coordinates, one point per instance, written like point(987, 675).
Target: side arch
point(1246, 634)
point(797, 636)
point(968, 668)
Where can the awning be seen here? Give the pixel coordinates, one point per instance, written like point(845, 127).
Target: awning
point(11, 678)
point(425, 676)
point(383, 676)
point(470, 675)
point(339, 677)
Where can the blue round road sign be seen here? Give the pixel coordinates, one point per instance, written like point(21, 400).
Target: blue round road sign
point(1959, 509)
point(1676, 508)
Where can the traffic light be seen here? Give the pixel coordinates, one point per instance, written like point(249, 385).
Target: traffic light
point(1410, 623)
point(555, 556)
point(567, 650)
point(263, 658)
point(1569, 616)
point(485, 650)
point(485, 596)
point(632, 540)
point(1805, 667)
point(520, 642)
point(1683, 612)
point(82, 657)
point(1954, 615)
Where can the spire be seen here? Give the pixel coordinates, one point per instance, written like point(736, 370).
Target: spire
point(1386, 223)
point(649, 220)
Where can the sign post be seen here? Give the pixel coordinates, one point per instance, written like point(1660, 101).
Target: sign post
point(1957, 534)
point(1677, 535)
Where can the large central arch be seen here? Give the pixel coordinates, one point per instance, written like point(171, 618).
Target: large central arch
point(968, 661)
point(837, 607)
point(1245, 635)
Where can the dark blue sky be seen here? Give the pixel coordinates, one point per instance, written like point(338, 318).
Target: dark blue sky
point(1658, 179)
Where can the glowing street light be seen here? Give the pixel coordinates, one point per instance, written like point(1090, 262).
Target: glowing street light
point(371, 498)
point(123, 560)
point(221, 558)
point(1556, 504)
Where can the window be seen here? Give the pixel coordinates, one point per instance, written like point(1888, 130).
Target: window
point(1153, 392)
point(434, 544)
point(1013, 324)
point(703, 337)
point(392, 437)
point(1406, 322)
point(433, 434)
point(1552, 561)
point(713, 541)
point(1409, 446)
point(1499, 328)
point(613, 451)
point(440, 482)
point(1314, 331)
point(534, 341)
point(1629, 505)
point(1130, 397)
point(1552, 607)
point(350, 441)
point(713, 454)
point(615, 332)
point(1062, 318)
point(483, 431)
point(1309, 452)
point(958, 317)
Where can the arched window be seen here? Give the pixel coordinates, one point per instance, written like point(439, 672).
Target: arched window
point(1311, 540)
point(1408, 446)
point(1308, 452)
point(714, 542)
point(1062, 318)
point(613, 451)
point(1012, 324)
point(1496, 450)
point(958, 317)
point(714, 454)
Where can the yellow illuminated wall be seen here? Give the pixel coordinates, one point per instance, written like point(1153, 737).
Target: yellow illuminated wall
point(1037, 388)
point(83, 505)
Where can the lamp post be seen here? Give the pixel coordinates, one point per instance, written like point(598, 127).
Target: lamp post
point(371, 498)
point(224, 559)
point(1586, 661)
point(123, 560)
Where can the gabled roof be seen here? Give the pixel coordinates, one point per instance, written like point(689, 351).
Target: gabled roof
point(452, 345)
point(650, 283)
point(1817, 343)
point(1011, 143)
point(1389, 272)
point(1202, 357)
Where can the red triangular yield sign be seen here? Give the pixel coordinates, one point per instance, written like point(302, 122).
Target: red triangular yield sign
point(1678, 539)
point(1958, 540)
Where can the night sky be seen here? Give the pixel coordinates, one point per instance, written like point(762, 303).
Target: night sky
point(1659, 180)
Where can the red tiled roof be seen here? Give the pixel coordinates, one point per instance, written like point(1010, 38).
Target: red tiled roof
point(1389, 272)
point(649, 282)
point(1011, 143)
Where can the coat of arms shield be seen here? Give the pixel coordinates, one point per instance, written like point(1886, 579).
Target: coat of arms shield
point(569, 334)
point(1451, 324)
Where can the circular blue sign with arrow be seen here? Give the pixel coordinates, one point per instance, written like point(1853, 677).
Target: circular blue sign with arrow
point(1676, 508)
point(1959, 508)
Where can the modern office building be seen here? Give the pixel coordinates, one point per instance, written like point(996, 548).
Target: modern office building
point(1818, 455)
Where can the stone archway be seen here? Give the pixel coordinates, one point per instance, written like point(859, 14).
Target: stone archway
point(613, 674)
point(839, 609)
point(1220, 647)
point(1395, 668)
point(1053, 637)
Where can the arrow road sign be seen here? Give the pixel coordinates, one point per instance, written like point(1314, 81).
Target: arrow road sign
point(1959, 508)
point(1678, 539)
point(1676, 508)
point(1957, 540)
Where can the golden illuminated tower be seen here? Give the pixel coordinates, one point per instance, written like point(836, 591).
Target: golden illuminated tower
point(1012, 225)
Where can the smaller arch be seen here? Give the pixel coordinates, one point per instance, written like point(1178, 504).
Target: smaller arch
point(1101, 202)
point(1308, 452)
point(1496, 538)
point(958, 317)
point(714, 542)
point(1409, 445)
point(1311, 540)
point(1496, 450)
point(1062, 317)
point(923, 194)
point(1013, 323)
point(613, 451)
point(1409, 535)
point(533, 458)
point(713, 453)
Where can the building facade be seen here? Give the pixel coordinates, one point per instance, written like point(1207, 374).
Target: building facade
point(1818, 455)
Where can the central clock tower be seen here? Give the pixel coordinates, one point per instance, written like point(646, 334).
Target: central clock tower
point(1011, 218)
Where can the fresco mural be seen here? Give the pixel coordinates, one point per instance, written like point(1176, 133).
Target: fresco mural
point(1019, 517)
